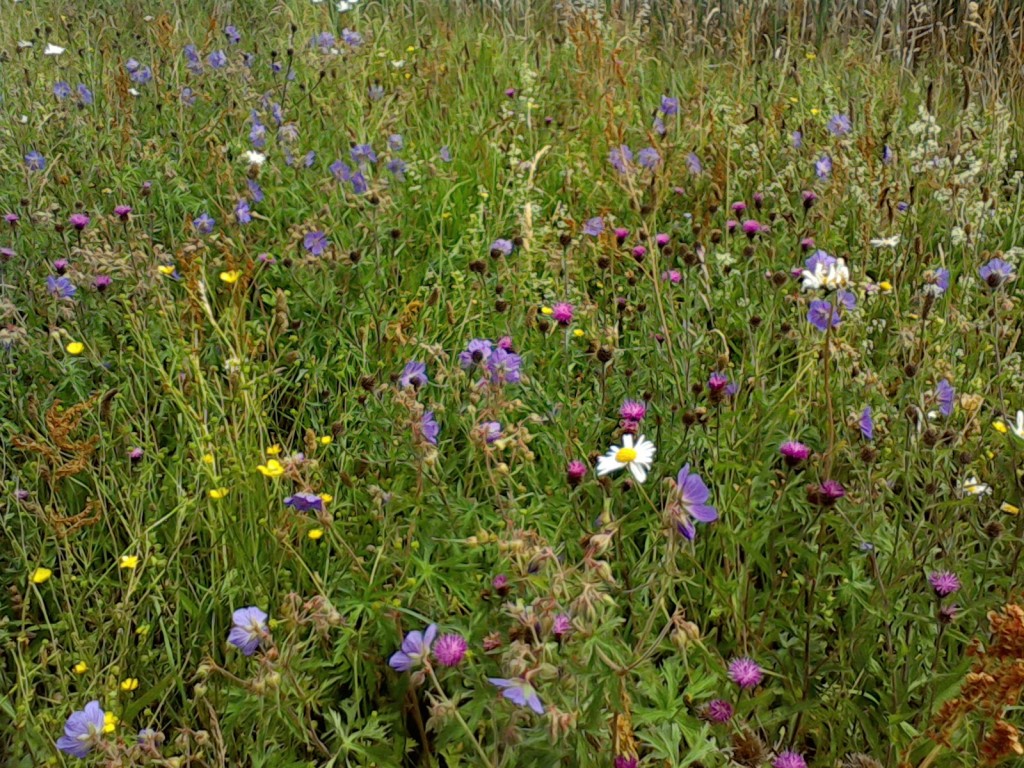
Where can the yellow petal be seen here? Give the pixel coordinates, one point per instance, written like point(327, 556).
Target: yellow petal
point(999, 427)
point(326, 498)
point(39, 575)
point(1009, 509)
point(274, 450)
point(80, 668)
point(316, 533)
point(128, 561)
point(218, 493)
point(129, 684)
point(231, 276)
point(75, 348)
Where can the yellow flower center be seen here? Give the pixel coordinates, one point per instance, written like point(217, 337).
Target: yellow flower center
point(625, 455)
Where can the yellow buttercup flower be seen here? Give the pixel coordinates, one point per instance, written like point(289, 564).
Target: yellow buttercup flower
point(316, 534)
point(546, 310)
point(1000, 427)
point(231, 276)
point(411, 49)
point(75, 348)
point(326, 440)
point(129, 684)
point(166, 269)
point(578, 333)
point(272, 468)
point(326, 498)
point(80, 668)
point(110, 720)
point(273, 450)
point(128, 561)
point(815, 111)
point(39, 575)
point(217, 493)
point(885, 285)
point(207, 458)
point(810, 55)
point(794, 99)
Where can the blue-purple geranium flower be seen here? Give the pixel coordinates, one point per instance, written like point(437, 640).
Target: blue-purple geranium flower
point(519, 691)
point(689, 502)
point(415, 650)
point(249, 629)
point(83, 730)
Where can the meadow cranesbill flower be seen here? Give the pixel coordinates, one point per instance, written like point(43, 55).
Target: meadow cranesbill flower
point(34, 161)
point(593, 226)
point(867, 424)
point(689, 500)
point(561, 313)
point(83, 731)
point(503, 366)
point(693, 164)
point(61, 90)
point(450, 650)
point(232, 34)
point(575, 472)
point(429, 427)
point(415, 650)
point(305, 502)
point(476, 353)
point(363, 154)
point(669, 106)
point(315, 242)
point(243, 215)
point(840, 125)
point(491, 431)
point(789, 760)
point(823, 315)
point(944, 582)
point(718, 711)
point(204, 224)
point(745, 672)
point(936, 281)
point(945, 394)
point(637, 457)
point(217, 59)
point(621, 158)
point(794, 453)
point(648, 158)
point(60, 287)
point(414, 375)
point(996, 272)
point(519, 691)
point(249, 628)
point(823, 167)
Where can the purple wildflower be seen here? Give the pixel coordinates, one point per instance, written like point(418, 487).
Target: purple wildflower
point(822, 315)
point(501, 247)
point(414, 375)
point(305, 502)
point(351, 38)
point(693, 164)
point(940, 279)
point(450, 650)
point(520, 692)
point(996, 272)
point(255, 191)
point(789, 760)
point(248, 630)
point(867, 424)
point(415, 650)
point(83, 730)
point(362, 154)
point(594, 226)
point(648, 158)
point(135, 454)
point(491, 431)
point(796, 139)
point(621, 158)
point(621, 233)
point(689, 500)
point(34, 161)
point(633, 410)
point(315, 242)
point(204, 223)
point(622, 761)
point(562, 313)
point(60, 287)
point(745, 672)
point(575, 472)
point(102, 282)
point(944, 582)
point(232, 34)
point(945, 394)
point(217, 59)
point(718, 711)
point(504, 367)
point(794, 453)
point(823, 167)
point(840, 125)
point(242, 213)
point(445, 154)
point(476, 353)
point(827, 493)
point(561, 625)
point(429, 427)
point(61, 90)
point(123, 212)
point(395, 142)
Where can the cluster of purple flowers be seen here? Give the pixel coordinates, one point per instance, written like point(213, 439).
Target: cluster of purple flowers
point(499, 362)
point(622, 159)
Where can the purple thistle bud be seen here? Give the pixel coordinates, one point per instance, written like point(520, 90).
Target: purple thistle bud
point(60, 266)
point(101, 282)
point(944, 582)
point(809, 198)
point(662, 239)
point(745, 672)
point(718, 711)
point(450, 650)
point(79, 221)
point(789, 760)
point(794, 453)
point(575, 472)
point(562, 313)
point(621, 233)
point(123, 212)
point(135, 454)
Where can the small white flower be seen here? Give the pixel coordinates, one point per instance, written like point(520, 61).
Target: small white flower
point(254, 158)
point(885, 242)
point(637, 456)
point(133, 91)
point(1018, 427)
point(974, 487)
point(398, 64)
point(53, 50)
point(835, 275)
point(344, 6)
point(22, 44)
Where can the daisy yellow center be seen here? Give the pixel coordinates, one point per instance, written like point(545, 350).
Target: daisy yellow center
point(625, 455)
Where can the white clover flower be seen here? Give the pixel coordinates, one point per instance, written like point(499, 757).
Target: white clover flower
point(637, 457)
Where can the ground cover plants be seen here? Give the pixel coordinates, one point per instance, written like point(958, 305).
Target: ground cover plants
point(427, 384)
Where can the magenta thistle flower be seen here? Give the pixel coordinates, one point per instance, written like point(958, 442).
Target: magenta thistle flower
point(662, 239)
point(561, 625)
point(718, 711)
point(673, 276)
point(450, 650)
point(83, 730)
point(639, 252)
point(248, 630)
point(745, 672)
point(621, 761)
point(575, 472)
point(79, 221)
point(789, 760)
point(739, 207)
point(135, 454)
point(415, 650)
point(562, 313)
point(519, 691)
point(500, 582)
point(621, 233)
point(794, 453)
point(102, 282)
point(633, 410)
point(944, 582)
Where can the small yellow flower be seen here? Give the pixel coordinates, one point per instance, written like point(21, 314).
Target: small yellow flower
point(546, 310)
point(272, 468)
point(80, 668)
point(794, 100)
point(408, 75)
point(885, 285)
point(411, 49)
point(326, 498)
point(810, 55)
point(129, 684)
point(1009, 509)
point(326, 440)
point(999, 427)
point(274, 450)
point(207, 458)
point(75, 348)
point(316, 534)
point(110, 720)
point(217, 493)
point(815, 111)
point(578, 333)
point(230, 277)
point(128, 561)
point(166, 269)
point(40, 575)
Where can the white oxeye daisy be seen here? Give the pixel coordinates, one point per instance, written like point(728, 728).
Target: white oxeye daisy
point(254, 158)
point(832, 276)
point(637, 456)
point(1018, 427)
point(974, 487)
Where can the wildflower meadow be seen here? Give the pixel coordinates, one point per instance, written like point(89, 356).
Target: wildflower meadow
point(432, 383)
